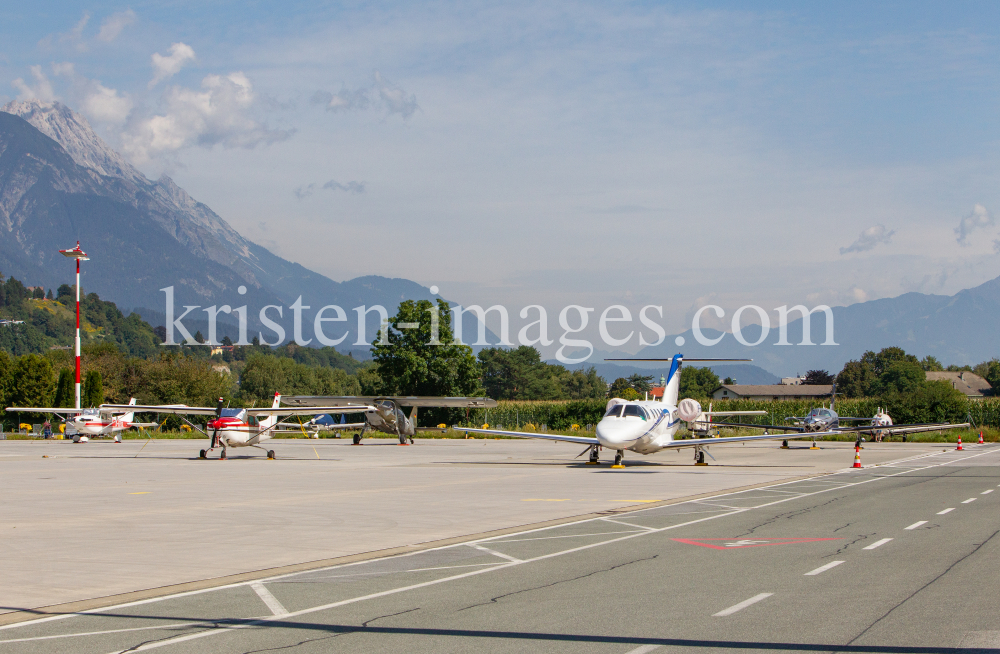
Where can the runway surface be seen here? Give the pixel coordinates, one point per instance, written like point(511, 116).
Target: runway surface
point(903, 557)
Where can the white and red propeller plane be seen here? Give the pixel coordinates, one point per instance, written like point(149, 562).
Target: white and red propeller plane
point(648, 426)
point(240, 427)
point(88, 423)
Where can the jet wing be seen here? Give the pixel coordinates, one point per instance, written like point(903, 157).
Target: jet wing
point(701, 442)
point(735, 413)
point(746, 424)
point(903, 429)
point(49, 409)
point(584, 440)
point(310, 411)
point(401, 400)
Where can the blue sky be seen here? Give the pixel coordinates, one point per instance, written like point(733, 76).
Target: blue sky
point(588, 153)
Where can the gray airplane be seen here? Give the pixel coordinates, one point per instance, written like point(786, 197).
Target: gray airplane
point(385, 413)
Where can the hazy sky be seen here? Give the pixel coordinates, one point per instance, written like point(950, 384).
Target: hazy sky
point(560, 153)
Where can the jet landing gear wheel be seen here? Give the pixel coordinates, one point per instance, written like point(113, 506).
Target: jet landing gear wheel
point(357, 439)
point(784, 445)
point(619, 456)
point(595, 458)
point(699, 458)
point(222, 457)
point(270, 454)
point(402, 440)
point(203, 455)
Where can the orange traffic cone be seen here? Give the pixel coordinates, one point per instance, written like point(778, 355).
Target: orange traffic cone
point(959, 443)
point(981, 442)
point(857, 457)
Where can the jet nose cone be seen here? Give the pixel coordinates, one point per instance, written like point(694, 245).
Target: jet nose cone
point(617, 434)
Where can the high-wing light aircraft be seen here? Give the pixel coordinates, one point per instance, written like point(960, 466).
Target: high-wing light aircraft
point(386, 414)
point(89, 423)
point(241, 427)
point(317, 424)
point(647, 426)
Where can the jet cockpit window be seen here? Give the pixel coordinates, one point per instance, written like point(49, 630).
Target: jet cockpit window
point(614, 412)
point(634, 410)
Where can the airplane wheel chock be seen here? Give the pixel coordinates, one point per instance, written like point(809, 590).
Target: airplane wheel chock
point(699, 458)
point(784, 445)
point(270, 454)
point(619, 456)
point(203, 455)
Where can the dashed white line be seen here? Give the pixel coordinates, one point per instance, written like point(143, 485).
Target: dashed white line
point(822, 568)
point(987, 492)
point(269, 599)
point(916, 524)
point(644, 649)
point(878, 543)
point(742, 605)
point(971, 499)
point(946, 511)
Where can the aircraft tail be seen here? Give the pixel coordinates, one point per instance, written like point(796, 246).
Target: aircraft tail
point(270, 421)
point(672, 390)
point(130, 416)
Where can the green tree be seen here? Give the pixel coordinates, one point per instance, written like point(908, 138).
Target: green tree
point(990, 371)
point(6, 380)
point(818, 378)
point(900, 376)
point(855, 380)
point(66, 389)
point(931, 364)
point(92, 393)
point(34, 382)
point(641, 383)
point(697, 382)
point(618, 388)
point(411, 364)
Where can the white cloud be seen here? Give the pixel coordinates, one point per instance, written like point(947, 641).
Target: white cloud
point(74, 37)
point(113, 25)
point(98, 102)
point(979, 218)
point(217, 114)
point(42, 90)
point(167, 66)
point(380, 94)
point(870, 238)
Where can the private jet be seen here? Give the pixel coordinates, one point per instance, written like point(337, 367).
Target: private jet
point(240, 427)
point(84, 424)
point(385, 413)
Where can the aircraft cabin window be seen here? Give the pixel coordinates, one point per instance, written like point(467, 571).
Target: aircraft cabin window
point(615, 411)
point(633, 410)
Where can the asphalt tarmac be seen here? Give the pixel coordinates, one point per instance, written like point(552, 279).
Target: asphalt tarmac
point(903, 557)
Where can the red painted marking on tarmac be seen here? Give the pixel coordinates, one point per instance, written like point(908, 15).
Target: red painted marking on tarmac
point(741, 543)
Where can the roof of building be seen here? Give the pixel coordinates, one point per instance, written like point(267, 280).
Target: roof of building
point(788, 390)
point(968, 383)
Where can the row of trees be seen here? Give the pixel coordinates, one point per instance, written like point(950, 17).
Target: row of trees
point(893, 371)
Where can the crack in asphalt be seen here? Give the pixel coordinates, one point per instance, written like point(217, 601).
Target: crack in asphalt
point(360, 629)
point(844, 527)
point(924, 587)
point(859, 538)
point(789, 515)
point(493, 600)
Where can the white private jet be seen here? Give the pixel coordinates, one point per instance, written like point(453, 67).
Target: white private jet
point(647, 427)
point(88, 423)
point(240, 427)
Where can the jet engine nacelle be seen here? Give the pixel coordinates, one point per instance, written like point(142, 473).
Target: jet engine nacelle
point(689, 409)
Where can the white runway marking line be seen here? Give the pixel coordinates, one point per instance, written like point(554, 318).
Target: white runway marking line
point(916, 524)
point(822, 569)
point(495, 553)
point(987, 492)
point(269, 599)
point(315, 609)
point(878, 543)
point(628, 524)
point(946, 511)
point(644, 649)
point(971, 499)
point(742, 605)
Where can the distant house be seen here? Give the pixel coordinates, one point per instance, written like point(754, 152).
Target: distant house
point(219, 349)
point(772, 392)
point(971, 384)
point(792, 381)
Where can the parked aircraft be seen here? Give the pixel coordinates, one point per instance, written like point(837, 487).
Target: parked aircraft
point(240, 427)
point(386, 412)
point(87, 423)
point(317, 424)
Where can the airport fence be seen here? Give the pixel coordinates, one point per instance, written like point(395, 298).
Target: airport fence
point(561, 415)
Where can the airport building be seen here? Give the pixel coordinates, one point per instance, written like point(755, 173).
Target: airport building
point(772, 392)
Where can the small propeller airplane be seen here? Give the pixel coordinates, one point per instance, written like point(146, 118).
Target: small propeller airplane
point(317, 424)
point(650, 426)
point(89, 423)
point(385, 413)
point(239, 427)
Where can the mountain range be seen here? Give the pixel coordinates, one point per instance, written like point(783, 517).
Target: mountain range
point(60, 182)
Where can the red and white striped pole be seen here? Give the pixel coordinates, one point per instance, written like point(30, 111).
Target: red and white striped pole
point(79, 255)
